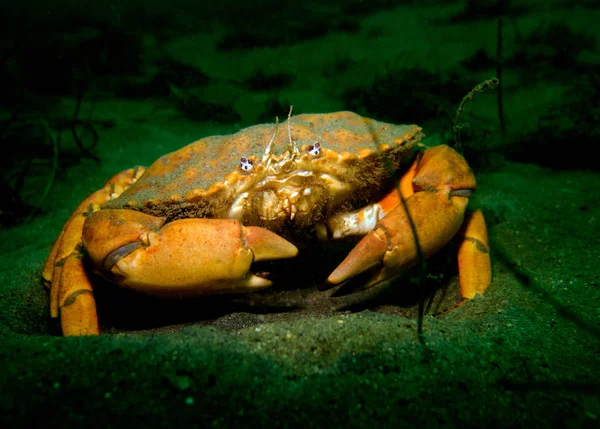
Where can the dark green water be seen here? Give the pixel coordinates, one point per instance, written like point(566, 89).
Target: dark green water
point(90, 89)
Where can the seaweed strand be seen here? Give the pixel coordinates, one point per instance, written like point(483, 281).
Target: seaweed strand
point(499, 76)
point(456, 125)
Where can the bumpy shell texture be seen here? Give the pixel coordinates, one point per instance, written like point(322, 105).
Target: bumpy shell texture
point(204, 179)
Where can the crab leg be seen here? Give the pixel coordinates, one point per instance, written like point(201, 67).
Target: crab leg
point(66, 256)
point(441, 183)
point(76, 300)
point(474, 265)
point(186, 257)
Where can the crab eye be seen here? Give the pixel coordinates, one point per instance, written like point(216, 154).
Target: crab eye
point(245, 164)
point(315, 149)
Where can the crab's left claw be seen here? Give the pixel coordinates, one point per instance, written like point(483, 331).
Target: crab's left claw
point(435, 209)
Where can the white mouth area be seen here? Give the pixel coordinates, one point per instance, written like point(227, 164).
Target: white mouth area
point(277, 198)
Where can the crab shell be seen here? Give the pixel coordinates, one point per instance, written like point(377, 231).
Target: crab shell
point(326, 163)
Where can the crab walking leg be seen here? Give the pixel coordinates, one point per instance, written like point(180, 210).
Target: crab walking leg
point(474, 265)
point(441, 182)
point(76, 301)
point(66, 246)
point(186, 257)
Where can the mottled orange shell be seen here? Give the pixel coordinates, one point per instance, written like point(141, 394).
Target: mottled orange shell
point(200, 169)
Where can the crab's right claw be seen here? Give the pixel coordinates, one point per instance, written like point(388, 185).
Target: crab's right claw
point(185, 257)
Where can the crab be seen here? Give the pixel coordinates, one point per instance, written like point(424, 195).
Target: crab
point(196, 220)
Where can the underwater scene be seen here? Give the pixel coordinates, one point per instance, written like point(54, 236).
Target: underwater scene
point(304, 214)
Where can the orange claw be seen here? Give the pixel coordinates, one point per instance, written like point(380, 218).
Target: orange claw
point(437, 218)
point(442, 181)
point(186, 257)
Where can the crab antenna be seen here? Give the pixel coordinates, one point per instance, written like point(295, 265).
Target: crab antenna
point(269, 148)
point(293, 148)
